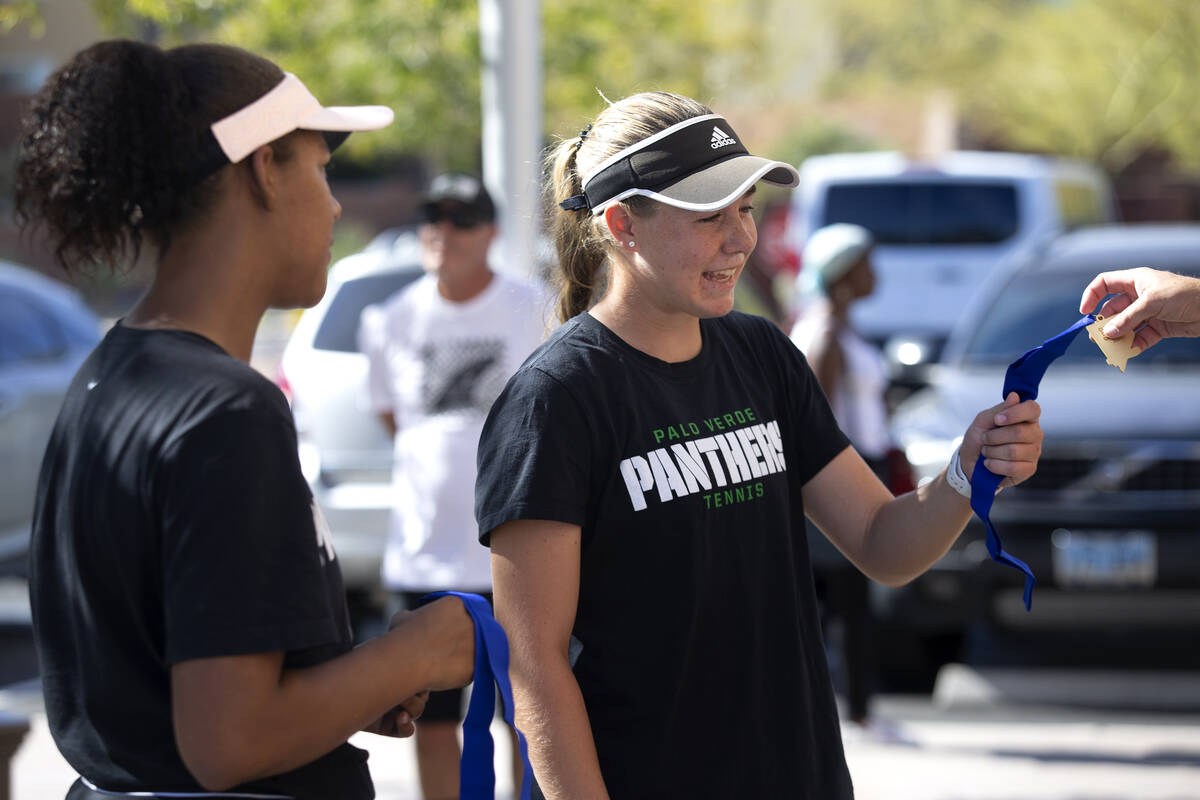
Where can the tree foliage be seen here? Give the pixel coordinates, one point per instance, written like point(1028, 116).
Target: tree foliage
point(422, 57)
point(15, 13)
point(1103, 79)
point(618, 48)
point(1097, 79)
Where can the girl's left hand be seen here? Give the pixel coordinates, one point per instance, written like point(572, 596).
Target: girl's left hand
point(1009, 438)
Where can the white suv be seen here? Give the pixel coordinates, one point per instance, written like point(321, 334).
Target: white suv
point(940, 226)
point(345, 453)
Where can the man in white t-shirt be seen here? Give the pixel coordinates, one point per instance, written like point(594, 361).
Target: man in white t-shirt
point(440, 351)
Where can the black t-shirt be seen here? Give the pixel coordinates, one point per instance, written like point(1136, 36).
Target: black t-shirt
point(172, 523)
point(702, 665)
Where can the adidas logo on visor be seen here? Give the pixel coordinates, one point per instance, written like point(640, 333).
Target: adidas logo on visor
point(720, 138)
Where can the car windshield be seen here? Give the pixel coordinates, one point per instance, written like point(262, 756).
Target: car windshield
point(339, 327)
point(1033, 308)
point(927, 212)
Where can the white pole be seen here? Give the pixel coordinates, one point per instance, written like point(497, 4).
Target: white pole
point(510, 41)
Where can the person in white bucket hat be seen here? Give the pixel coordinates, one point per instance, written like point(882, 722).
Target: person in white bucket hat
point(187, 602)
point(835, 273)
point(644, 477)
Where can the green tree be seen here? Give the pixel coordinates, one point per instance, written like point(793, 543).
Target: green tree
point(422, 57)
point(936, 43)
point(22, 11)
point(1102, 79)
point(1096, 79)
point(619, 48)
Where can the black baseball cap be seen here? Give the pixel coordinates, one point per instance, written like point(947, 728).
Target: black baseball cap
point(465, 191)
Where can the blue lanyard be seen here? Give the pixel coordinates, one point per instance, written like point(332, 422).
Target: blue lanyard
point(477, 771)
point(1023, 377)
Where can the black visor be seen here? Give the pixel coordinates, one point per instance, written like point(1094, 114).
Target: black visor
point(699, 164)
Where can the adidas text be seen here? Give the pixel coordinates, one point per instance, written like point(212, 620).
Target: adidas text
point(720, 138)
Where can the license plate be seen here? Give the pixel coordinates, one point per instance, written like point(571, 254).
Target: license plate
point(1088, 558)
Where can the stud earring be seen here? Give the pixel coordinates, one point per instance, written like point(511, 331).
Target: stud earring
point(633, 244)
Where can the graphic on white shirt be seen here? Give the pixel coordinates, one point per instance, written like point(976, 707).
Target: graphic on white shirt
point(462, 374)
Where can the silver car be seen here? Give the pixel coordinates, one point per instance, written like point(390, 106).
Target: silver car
point(46, 331)
point(1110, 524)
point(345, 452)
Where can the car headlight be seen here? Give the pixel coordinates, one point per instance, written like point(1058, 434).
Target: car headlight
point(907, 350)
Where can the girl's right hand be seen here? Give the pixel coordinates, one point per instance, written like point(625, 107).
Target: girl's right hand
point(449, 632)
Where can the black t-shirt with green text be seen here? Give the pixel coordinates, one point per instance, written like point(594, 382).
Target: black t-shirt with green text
point(172, 523)
point(701, 663)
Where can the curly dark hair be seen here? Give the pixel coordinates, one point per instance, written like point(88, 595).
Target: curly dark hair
point(117, 145)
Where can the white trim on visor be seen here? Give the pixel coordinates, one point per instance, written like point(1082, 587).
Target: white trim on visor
point(288, 107)
point(715, 205)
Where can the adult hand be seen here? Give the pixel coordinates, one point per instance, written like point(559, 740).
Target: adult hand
point(1008, 436)
point(400, 721)
point(1167, 303)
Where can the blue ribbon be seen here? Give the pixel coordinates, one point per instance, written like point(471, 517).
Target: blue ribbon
point(477, 770)
point(1023, 377)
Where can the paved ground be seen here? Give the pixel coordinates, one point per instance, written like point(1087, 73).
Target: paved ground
point(991, 752)
point(1031, 753)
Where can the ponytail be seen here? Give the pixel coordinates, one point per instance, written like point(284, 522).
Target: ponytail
point(577, 237)
point(109, 146)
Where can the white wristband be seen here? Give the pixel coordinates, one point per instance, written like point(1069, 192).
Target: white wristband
point(955, 477)
point(958, 479)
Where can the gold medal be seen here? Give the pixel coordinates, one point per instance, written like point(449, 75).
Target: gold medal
point(1116, 351)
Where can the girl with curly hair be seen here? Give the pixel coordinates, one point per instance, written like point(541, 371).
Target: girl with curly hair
point(187, 602)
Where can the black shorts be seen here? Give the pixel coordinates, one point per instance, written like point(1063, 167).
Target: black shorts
point(444, 706)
